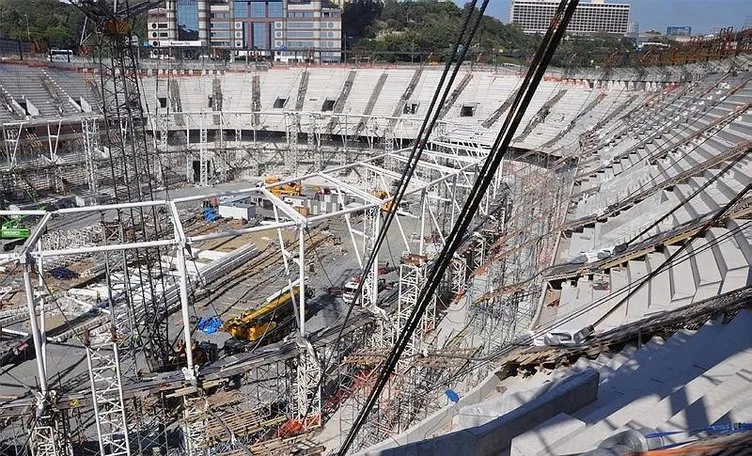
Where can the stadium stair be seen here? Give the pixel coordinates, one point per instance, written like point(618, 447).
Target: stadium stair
point(375, 93)
point(689, 381)
point(455, 94)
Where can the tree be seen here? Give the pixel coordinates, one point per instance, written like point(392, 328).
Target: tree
point(48, 23)
point(358, 18)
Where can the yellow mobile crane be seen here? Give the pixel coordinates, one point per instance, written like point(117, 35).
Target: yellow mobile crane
point(253, 325)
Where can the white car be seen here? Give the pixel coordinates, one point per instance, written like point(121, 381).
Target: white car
point(562, 338)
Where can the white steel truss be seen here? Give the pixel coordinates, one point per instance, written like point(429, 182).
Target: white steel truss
point(308, 391)
point(459, 166)
point(194, 422)
point(203, 156)
point(48, 439)
point(107, 398)
point(90, 127)
point(11, 138)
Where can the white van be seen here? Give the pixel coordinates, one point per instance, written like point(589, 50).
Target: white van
point(348, 292)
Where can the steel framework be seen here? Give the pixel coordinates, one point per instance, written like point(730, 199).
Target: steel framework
point(441, 170)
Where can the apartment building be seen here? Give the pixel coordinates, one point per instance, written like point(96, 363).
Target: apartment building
point(534, 16)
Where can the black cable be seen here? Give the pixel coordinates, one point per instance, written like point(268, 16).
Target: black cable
point(705, 226)
point(415, 154)
point(699, 190)
point(543, 56)
point(485, 360)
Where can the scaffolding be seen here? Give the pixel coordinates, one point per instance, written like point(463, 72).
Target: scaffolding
point(294, 387)
point(107, 397)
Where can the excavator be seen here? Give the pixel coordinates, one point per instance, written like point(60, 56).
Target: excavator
point(13, 229)
point(261, 323)
point(14, 232)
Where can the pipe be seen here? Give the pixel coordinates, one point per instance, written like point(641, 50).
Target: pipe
point(301, 279)
point(13, 332)
point(190, 371)
point(626, 443)
point(38, 347)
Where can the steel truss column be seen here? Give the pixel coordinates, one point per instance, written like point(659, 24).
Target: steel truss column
point(90, 128)
point(118, 277)
point(203, 159)
point(45, 438)
point(48, 437)
point(53, 140)
point(292, 129)
point(163, 149)
point(124, 119)
point(11, 137)
point(194, 426)
point(371, 226)
point(373, 134)
point(107, 396)
point(412, 278)
point(459, 273)
point(236, 157)
point(389, 140)
point(308, 393)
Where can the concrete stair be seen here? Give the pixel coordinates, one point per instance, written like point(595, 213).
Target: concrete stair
point(690, 381)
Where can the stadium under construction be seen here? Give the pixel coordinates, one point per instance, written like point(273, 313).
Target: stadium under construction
point(303, 259)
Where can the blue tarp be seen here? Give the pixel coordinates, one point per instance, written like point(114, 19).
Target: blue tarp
point(210, 214)
point(452, 395)
point(209, 325)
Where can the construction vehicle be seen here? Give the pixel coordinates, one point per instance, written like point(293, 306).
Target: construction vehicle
point(14, 233)
point(349, 289)
point(12, 229)
point(288, 189)
point(348, 292)
point(253, 325)
point(381, 194)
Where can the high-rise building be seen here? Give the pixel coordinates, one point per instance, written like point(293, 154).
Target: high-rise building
point(288, 29)
point(679, 31)
point(534, 16)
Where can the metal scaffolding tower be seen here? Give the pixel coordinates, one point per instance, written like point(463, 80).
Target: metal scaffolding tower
point(91, 149)
point(203, 156)
point(292, 129)
point(107, 396)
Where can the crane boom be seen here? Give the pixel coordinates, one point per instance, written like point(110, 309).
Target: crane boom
point(133, 169)
point(100, 10)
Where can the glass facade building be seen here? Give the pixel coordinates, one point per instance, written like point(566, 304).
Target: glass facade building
point(295, 28)
point(187, 18)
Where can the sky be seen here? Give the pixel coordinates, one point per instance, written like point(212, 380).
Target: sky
point(702, 15)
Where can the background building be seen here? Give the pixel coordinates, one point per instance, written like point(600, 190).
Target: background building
point(679, 31)
point(633, 28)
point(285, 29)
point(534, 16)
